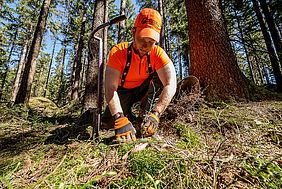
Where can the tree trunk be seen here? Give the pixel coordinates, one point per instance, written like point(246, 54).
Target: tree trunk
point(121, 28)
point(83, 72)
point(179, 60)
point(49, 70)
point(162, 36)
point(61, 88)
point(77, 60)
point(244, 45)
point(266, 74)
point(257, 60)
point(273, 29)
point(212, 58)
point(18, 77)
point(1, 4)
point(166, 36)
point(6, 65)
point(270, 49)
point(90, 96)
point(25, 87)
point(105, 48)
point(35, 91)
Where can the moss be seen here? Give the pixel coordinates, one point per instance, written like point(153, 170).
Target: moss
point(123, 149)
point(188, 138)
point(42, 106)
point(151, 168)
point(267, 173)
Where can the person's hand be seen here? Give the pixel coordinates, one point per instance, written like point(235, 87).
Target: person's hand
point(150, 125)
point(124, 130)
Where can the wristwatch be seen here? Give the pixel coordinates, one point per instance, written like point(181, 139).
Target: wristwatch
point(118, 115)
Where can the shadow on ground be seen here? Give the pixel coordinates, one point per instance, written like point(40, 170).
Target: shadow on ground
point(62, 135)
point(56, 131)
point(12, 145)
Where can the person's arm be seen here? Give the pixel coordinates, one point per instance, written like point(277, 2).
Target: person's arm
point(112, 77)
point(124, 129)
point(167, 76)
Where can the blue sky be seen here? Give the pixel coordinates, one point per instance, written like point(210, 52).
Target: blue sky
point(48, 40)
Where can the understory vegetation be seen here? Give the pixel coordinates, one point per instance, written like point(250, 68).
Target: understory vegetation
point(199, 145)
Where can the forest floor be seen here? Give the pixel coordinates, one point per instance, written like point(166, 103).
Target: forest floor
point(200, 145)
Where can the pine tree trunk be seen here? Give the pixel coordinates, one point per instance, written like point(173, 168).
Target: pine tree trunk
point(270, 49)
point(49, 70)
point(6, 65)
point(35, 91)
point(90, 96)
point(266, 74)
point(105, 48)
point(166, 36)
point(244, 45)
point(18, 77)
point(257, 61)
point(29, 71)
point(83, 73)
point(179, 60)
point(77, 60)
point(162, 36)
point(273, 30)
point(61, 88)
point(121, 28)
point(212, 58)
point(1, 4)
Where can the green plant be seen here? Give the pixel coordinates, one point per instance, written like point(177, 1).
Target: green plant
point(188, 138)
point(152, 169)
point(267, 173)
point(10, 168)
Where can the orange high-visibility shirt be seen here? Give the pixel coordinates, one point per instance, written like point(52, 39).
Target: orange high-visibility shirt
point(138, 71)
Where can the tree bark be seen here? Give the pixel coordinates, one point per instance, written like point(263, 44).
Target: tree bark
point(77, 60)
point(257, 60)
point(26, 83)
point(6, 65)
point(18, 77)
point(162, 36)
point(212, 58)
point(273, 29)
point(270, 49)
point(61, 88)
point(49, 69)
point(105, 47)
point(1, 4)
point(244, 45)
point(90, 96)
point(121, 26)
point(179, 60)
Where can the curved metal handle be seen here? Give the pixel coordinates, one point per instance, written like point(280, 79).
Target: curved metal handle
point(117, 19)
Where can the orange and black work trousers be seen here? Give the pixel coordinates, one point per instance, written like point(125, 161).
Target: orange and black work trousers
point(147, 94)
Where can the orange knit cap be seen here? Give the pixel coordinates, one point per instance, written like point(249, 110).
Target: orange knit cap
point(148, 23)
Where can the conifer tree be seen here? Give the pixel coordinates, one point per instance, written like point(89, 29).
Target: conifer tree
point(212, 58)
point(25, 87)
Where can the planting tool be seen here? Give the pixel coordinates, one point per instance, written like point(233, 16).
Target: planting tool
point(97, 117)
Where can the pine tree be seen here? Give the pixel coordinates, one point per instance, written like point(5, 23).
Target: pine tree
point(90, 96)
point(121, 29)
point(270, 49)
point(25, 87)
point(212, 58)
point(273, 29)
point(78, 54)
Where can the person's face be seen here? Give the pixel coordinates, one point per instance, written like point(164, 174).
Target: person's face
point(143, 44)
